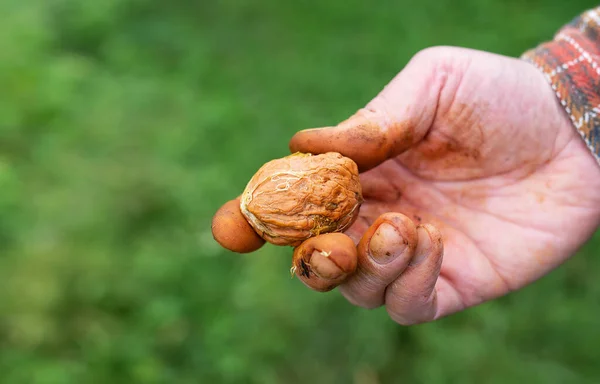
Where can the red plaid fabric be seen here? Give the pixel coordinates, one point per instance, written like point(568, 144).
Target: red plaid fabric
point(570, 63)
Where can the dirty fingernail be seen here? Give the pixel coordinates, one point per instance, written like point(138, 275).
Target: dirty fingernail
point(386, 244)
point(424, 246)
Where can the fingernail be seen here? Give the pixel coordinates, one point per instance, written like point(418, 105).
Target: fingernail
point(423, 246)
point(386, 244)
point(324, 267)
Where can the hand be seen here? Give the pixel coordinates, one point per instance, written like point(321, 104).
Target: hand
point(475, 182)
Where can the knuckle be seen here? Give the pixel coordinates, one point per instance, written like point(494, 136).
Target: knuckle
point(406, 319)
point(356, 300)
point(399, 318)
point(361, 296)
point(434, 53)
point(411, 310)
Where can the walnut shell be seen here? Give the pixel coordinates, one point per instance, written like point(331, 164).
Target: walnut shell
point(302, 195)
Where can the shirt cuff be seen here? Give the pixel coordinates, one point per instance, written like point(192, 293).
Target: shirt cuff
point(571, 65)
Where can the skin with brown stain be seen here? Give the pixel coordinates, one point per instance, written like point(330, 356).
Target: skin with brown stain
point(474, 149)
point(487, 145)
point(367, 143)
point(231, 230)
point(372, 245)
point(323, 263)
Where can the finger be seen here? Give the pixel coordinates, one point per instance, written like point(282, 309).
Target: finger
point(232, 231)
point(325, 261)
point(384, 252)
point(367, 137)
point(392, 122)
point(412, 298)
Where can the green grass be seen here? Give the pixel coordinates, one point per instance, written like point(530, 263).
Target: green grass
point(123, 127)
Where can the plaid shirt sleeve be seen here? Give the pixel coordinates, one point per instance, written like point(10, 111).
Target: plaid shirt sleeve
point(570, 63)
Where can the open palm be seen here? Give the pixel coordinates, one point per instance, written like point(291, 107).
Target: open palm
point(482, 179)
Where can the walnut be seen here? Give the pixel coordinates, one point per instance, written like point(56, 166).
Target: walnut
point(299, 196)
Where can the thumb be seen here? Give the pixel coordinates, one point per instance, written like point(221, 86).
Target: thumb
point(396, 119)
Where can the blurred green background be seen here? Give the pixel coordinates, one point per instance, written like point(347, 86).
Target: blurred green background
point(126, 124)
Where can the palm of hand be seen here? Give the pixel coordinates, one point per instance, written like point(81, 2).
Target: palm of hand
point(477, 145)
point(500, 172)
point(475, 184)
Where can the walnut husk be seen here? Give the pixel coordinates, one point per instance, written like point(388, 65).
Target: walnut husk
point(291, 199)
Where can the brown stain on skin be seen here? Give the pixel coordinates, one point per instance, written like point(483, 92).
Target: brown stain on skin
point(474, 194)
point(376, 186)
point(420, 216)
point(232, 231)
point(334, 261)
point(545, 255)
point(438, 146)
point(373, 138)
point(367, 137)
point(403, 225)
point(363, 142)
point(402, 134)
point(456, 141)
point(540, 197)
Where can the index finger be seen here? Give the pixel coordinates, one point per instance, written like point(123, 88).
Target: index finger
point(395, 120)
point(367, 137)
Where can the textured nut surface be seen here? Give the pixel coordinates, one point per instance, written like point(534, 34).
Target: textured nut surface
point(299, 196)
